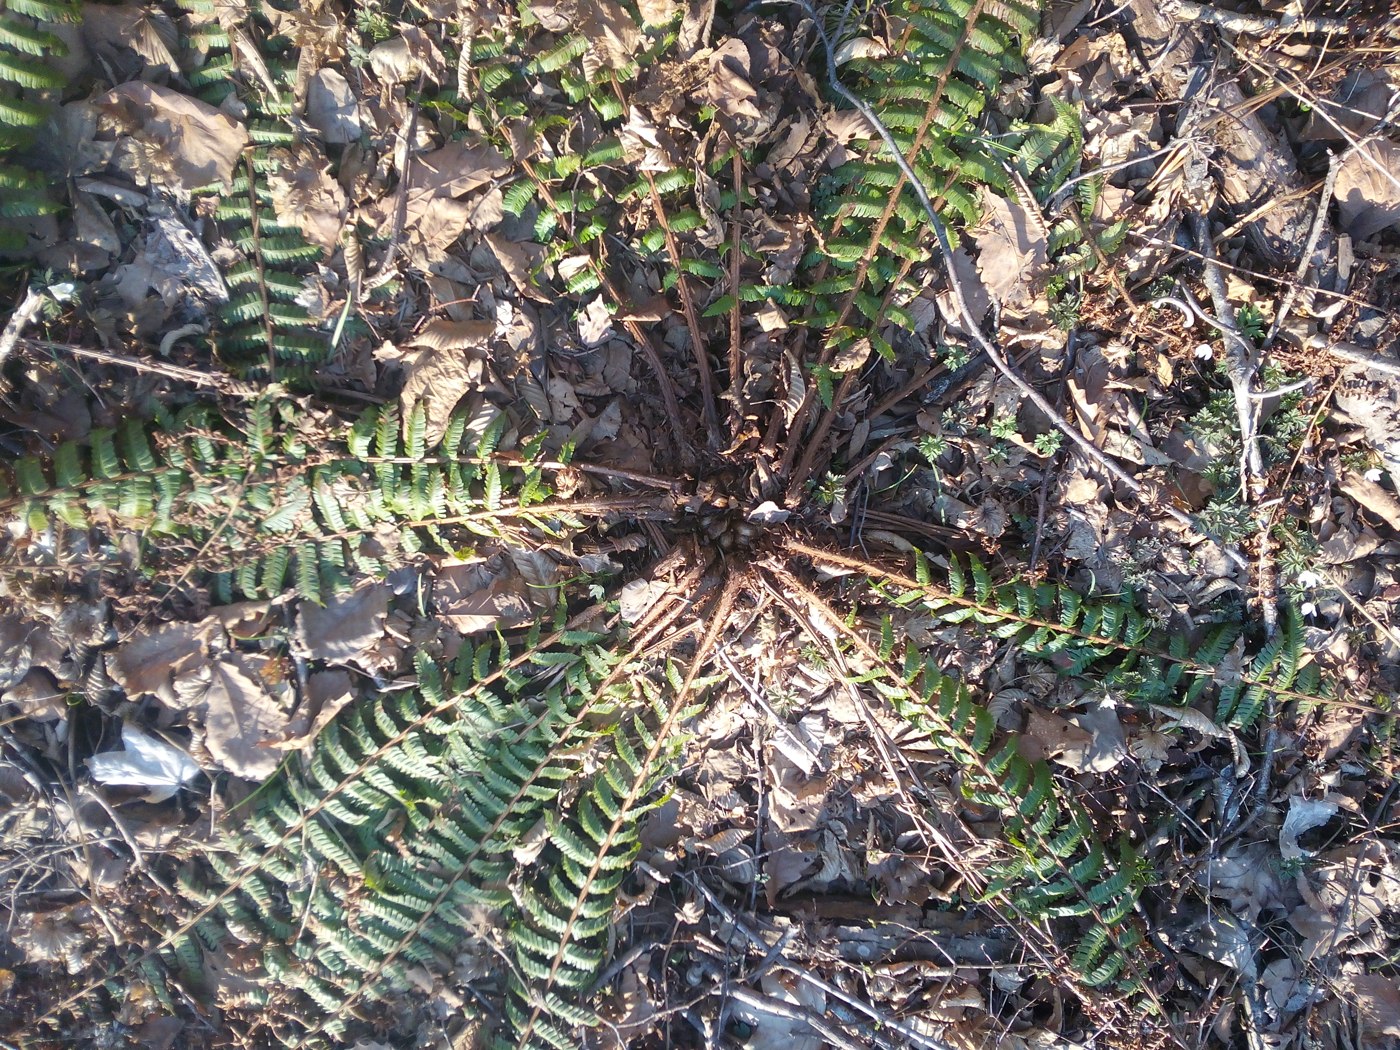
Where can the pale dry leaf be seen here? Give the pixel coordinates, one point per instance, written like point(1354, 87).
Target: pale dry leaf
point(331, 108)
point(1304, 814)
point(345, 627)
point(327, 693)
point(240, 714)
point(151, 35)
point(637, 598)
point(305, 196)
point(657, 12)
point(145, 761)
point(1377, 999)
point(594, 323)
point(1105, 748)
point(407, 57)
point(613, 34)
point(1368, 189)
point(444, 335)
point(186, 144)
point(1011, 254)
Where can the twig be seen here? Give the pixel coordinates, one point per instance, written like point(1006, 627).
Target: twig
point(1235, 22)
point(193, 376)
point(1329, 184)
point(25, 312)
point(965, 315)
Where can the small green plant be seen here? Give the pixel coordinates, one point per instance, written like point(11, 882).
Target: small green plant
point(1049, 443)
point(1251, 323)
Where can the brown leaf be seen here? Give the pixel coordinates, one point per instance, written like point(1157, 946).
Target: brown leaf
point(345, 627)
point(611, 31)
point(457, 169)
point(239, 708)
point(305, 196)
point(149, 662)
point(729, 88)
point(439, 378)
point(1368, 189)
point(331, 108)
point(186, 144)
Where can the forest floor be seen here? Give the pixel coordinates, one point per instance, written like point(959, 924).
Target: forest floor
point(1216, 316)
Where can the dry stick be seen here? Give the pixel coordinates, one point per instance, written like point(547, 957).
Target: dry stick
point(1334, 165)
point(193, 376)
point(692, 320)
point(25, 312)
point(736, 255)
point(1238, 23)
point(965, 315)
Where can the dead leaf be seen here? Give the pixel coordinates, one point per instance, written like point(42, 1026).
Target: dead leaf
point(407, 57)
point(1368, 189)
point(1011, 255)
point(612, 33)
point(327, 693)
point(345, 627)
point(1377, 999)
point(108, 30)
point(149, 662)
point(456, 169)
point(145, 761)
point(440, 378)
point(331, 108)
point(479, 595)
point(241, 716)
point(305, 196)
point(182, 143)
point(729, 88)
point(1304, 814)
point(594, 323)
point(1047, 736)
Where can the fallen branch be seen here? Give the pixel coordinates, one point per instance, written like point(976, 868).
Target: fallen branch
point(1256, 25)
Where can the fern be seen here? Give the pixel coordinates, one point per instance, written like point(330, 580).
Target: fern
point(263, 332)
point(257, 506)
point(27, 44)
point(946, 59)
point(411, 822)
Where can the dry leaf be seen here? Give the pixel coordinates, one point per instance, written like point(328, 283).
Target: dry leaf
point(1368, 189)
point(612, 33)
point(305, 196)
point(456, 169)
point(405, 58)
point(149, 662)
point(728, 87)
point(184, 144)
point(146, 761)
point(331, 108)
point(344, 628)
point(480, 595)
point(1011, 255)
point(594, 323)
point(439, 379)
point(241, 716)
